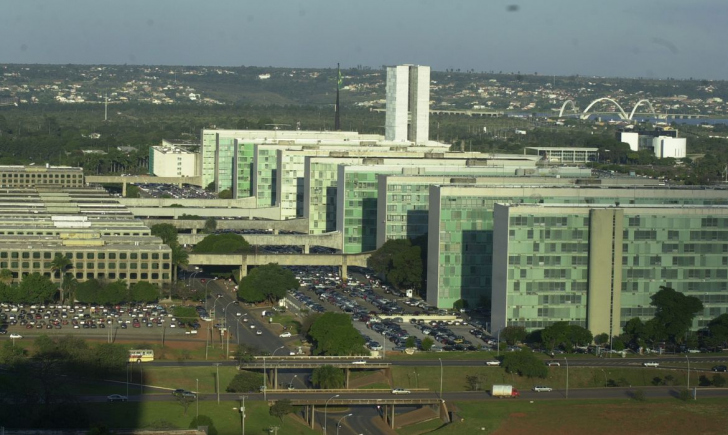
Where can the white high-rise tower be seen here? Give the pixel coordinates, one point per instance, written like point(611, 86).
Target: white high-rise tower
point(408, 104)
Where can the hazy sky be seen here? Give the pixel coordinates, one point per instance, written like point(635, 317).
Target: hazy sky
point(647, 38)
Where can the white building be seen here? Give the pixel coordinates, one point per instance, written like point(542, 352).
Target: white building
point(631, 138)
point(171, 161)
point(669, 147)
point(408, 104)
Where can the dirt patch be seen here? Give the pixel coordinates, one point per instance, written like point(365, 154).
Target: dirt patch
point(517, 414)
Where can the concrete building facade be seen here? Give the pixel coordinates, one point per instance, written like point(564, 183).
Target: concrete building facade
point(172, 161)
point(460, 236)
point(597, 266)
point(408, 104)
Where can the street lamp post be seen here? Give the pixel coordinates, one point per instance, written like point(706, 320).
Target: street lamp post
point(325, 409)
point(242, 414)
point(265, 378)
point(214, 317)
point(197, 396)
point(686, 357)
point(440, 359)
point(217, 381)
point(567, 377)
point(338, 425)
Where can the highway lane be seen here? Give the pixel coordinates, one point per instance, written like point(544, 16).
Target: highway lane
point(665, 362)
point(559, 394)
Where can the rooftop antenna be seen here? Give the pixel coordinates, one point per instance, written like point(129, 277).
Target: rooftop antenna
point(337, 118)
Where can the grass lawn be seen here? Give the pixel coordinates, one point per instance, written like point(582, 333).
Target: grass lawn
point(516, 417)
point(225, 419)
point(288, 320)
point(454, 378)
point(420, 428)
point(185, 377)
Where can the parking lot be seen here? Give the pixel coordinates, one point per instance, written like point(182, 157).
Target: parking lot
point(366, 299)
point(131, 320)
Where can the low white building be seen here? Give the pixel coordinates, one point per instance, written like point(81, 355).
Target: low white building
point(172, 161)
point(669, 147)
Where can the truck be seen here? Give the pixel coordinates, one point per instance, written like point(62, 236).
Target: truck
point(501, 391)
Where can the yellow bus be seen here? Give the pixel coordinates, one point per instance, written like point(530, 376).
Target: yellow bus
point(141, 355)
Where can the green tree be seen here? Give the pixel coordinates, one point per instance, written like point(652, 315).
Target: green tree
point(244, 382)
point(227, 243)
point(210, 225)
point(328, 377)
point(88, 291)
point(674, 312)
point(400, 262)
point(427, 344)
point(281, 408)
point(411, 342)
point(11, 354)
point(180, 258)
point(334, 335)
point(269, 282)
point(525, 363)
point(601, 339)
point(185, 402)
point(225, 194)
point(37, 288)
point(513, 334)
point(166, 232)
point(144, 291)
point(204, 420)
point(6, 276)
point(460, 304)
point(245, 353)
point(114, 293)
point(718, 330)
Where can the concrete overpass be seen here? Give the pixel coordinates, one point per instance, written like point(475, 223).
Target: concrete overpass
point(329, 240)
point(274, 366)
point(466, 112)
point(387, 406)
point(195, 225)
point(117, 179)
point(244, 260)
point(273, 213)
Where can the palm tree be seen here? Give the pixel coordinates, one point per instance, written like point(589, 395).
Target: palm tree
point(59, 264)
point(179, 258)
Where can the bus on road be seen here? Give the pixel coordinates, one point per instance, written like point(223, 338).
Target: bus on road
point(141, 355)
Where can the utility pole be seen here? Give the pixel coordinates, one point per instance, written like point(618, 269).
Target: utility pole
point(242, 414)
point(217, 381)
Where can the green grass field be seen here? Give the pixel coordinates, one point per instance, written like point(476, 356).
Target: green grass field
point(225, 419)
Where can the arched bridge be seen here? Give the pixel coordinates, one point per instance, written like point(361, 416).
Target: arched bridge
point(621, 111)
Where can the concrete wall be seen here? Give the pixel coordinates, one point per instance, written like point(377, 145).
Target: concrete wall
point(195, 181)
point(605, 271)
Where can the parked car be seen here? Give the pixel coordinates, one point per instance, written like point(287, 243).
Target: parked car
point(542, 389)
point(285, 335)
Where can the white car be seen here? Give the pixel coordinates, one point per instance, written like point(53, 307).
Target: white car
point(258, 332)
point(400, 391)
point(360, 361)
point(493, 363)
point(16, 336)
point(252, 326)
point(542, 389)
point(651, 364)
point(285, 335)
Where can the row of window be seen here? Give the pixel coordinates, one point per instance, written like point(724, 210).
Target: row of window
point(47, 265)
point(89, 255)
